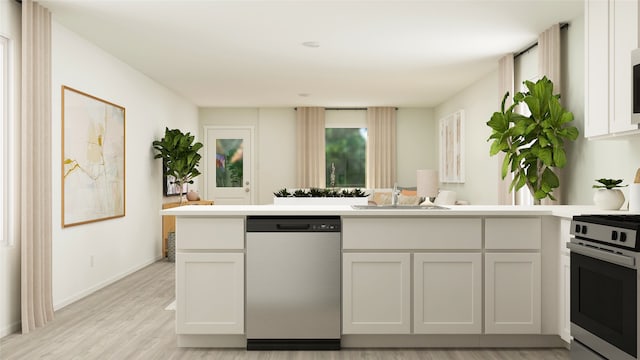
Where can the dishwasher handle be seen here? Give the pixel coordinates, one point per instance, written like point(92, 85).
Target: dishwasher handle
point(289, 227)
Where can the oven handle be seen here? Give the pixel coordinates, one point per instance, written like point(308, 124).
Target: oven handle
point(602, 255)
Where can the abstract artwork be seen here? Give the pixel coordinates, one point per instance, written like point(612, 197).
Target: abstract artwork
point(452, 148)
point(93, 158)
point(229, 162)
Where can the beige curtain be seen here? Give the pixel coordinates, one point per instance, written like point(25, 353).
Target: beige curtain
point(549, 65)
point(35, 167)
point(381, 147)
point(310, 128)
point(505, 83)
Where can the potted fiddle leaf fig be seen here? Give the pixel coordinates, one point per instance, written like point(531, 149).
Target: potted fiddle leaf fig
point(533, 144)
point(179, 155)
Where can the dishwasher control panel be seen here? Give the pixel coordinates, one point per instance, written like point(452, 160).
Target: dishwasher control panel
point(293, 224)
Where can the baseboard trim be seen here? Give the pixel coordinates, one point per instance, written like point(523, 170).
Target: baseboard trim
point(452, 341)
point(70, 300)
point(10, 329)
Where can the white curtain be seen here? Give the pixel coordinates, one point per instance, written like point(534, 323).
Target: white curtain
point(35, 168)
point(310, 140)
point(381, 147)
point(549, 65)
point(505, 83)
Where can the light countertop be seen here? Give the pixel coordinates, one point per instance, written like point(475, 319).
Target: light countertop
point(566, 211)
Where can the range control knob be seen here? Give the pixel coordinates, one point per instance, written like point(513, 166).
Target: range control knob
point(584, 229)
point(623, 236)
point(614, 235)
point(578, 229)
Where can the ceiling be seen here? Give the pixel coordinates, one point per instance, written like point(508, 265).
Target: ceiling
point(371, 53)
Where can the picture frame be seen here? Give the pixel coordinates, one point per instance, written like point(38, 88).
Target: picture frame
point(451, 169)
point(93, 159)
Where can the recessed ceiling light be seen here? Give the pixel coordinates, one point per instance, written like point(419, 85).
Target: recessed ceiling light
point(311, 44)
point(303, 95)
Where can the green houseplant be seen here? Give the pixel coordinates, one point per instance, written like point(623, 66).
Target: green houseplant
point(534, 144)
point(179, 155)
point(608, 197)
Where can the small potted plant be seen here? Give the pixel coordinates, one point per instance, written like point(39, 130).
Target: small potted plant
point(608, 197)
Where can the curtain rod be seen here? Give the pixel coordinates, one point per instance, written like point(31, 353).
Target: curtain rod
point(563, 26)
point(353, 108)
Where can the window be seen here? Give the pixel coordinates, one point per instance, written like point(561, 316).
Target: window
point(345, 148)
point(4, 80)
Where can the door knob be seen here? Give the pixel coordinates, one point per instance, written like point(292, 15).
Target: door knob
point(246, 183)
point(246, 190)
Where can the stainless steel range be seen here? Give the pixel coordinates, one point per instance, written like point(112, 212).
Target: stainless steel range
point(605, 256)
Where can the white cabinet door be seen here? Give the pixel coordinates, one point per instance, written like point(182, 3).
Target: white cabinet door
point(624, 39)
point(447, 293)
point(596, 81)
point(512, 293)
point(565, 298)
point(376, 290)
point(210, 293)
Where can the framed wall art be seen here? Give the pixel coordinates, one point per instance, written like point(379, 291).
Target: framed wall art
point(452, 148)
point(93, 158)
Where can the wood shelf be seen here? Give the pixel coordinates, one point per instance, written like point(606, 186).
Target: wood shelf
point(169, 221)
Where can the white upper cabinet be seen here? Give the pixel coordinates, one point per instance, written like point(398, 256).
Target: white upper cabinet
point(611, 33)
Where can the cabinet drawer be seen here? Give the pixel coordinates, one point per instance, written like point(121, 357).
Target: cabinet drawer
point(512, 233)
point(411, 233)
point(209, 233)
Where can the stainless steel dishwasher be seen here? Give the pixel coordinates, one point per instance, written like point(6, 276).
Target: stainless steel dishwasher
point(293, 282)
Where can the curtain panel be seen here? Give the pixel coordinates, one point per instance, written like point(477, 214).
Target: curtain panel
point(505, 84)
point(549, 59)
point(310, 142)
point(381, 147)
point(35, 168)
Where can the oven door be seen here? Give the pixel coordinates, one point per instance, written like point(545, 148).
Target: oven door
point(603, 301)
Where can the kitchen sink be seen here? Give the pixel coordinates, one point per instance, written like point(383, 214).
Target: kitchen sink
point(398, 207)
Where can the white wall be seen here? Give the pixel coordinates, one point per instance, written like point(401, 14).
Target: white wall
point(478, 101)
point(123, 245)
point(10, 255)
point(417, 142)
point(275, 137)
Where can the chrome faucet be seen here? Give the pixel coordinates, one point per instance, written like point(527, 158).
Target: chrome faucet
point(394, 194)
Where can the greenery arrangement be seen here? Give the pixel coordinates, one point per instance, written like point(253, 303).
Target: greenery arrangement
point(608, 184)
point(316, 192)
point(180, 156)
point(534, 144)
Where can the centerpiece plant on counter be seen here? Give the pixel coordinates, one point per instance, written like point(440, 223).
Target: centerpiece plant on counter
point(608, 197)
point(316, 192)
point(533, 144)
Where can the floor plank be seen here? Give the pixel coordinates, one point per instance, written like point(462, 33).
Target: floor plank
point(128, 320)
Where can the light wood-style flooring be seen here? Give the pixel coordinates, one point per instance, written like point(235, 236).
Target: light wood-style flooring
point(128, 320)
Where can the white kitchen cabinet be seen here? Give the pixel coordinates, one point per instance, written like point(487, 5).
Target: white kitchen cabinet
point(564, 282)
point(376, 290)
point(564, 309)
point(512, 293)
point(611, 32)
point(512, 233)
point(209, 293)
point(447, 293)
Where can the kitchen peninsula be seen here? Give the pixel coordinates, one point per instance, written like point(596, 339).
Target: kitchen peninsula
point(467, 276)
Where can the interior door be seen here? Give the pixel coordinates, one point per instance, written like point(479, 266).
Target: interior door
point(228, 176)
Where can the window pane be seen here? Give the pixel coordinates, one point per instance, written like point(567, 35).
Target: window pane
point(229, 169)
point(345, 156)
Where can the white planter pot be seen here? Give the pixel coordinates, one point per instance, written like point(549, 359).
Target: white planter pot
point(606, 199)
point(320, 201)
